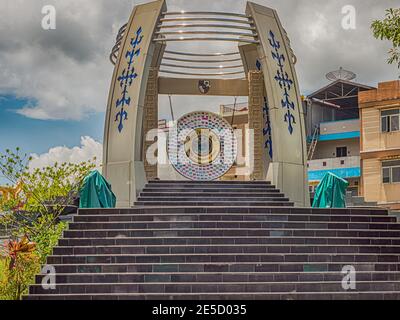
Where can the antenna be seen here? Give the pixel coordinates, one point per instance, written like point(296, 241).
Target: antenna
point(341, 74)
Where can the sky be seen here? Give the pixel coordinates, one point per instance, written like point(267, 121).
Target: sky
point(54, 83)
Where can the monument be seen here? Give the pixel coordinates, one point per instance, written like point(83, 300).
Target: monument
point(268, 79)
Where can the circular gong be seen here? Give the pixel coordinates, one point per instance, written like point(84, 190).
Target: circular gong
point(202, 146)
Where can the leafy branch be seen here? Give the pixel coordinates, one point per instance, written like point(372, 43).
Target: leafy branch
point(389, 29)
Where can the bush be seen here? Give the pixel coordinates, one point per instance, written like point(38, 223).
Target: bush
point(33, 215)
point(18, 266)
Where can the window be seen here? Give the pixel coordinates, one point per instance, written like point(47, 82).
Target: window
point(391, 172)
point(386, 175)
point(390, 120)
point(324, 164)
point(396, 174)
point(342, 162)
point(341, 152)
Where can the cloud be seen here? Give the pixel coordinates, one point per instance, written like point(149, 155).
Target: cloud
point(65, 73)
point(88, 149)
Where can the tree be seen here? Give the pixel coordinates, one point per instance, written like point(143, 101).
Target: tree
point(389, 29)
point(45, 192)
point(33, 215)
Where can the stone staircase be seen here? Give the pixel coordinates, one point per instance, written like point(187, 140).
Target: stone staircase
point(358, 202)
point(224, 240)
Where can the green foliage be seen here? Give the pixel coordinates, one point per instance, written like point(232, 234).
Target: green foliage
point(19, 263)
point(47, 237)
point(33, 214)
point(45, 191)
point(389, 29)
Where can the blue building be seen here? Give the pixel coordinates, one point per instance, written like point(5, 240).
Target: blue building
point(333, 130)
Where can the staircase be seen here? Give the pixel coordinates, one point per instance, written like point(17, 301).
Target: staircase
point(224, 240)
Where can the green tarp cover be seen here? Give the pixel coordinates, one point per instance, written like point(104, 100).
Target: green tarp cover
point(331, 192)
point(96, 192)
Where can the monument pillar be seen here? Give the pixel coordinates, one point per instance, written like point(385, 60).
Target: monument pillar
point(123, 155)
point(256, 123)
point(150, 122)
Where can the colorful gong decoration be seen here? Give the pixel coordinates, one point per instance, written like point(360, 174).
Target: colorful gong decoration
point(202, 146)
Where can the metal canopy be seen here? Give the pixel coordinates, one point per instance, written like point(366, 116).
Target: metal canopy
point(185, 27)
point(342, 93)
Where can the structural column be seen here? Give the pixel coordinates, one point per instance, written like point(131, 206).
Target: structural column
point(256, 121)
point(150, 121)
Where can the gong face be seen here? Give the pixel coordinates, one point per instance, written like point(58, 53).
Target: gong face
point(202, 146)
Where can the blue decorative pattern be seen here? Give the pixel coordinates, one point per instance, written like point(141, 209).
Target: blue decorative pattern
point(126, 79)
point(283, 80)
point(267, 131)
point(344, 173)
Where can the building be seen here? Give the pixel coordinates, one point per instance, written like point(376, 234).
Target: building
point(238, 116)
point(380, 144)
point(333, 130)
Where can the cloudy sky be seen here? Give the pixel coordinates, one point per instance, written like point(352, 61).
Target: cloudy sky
point(54, 83)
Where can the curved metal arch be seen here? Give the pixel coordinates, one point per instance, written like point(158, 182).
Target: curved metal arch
point(226, 26)
point(226, 33)
point(213, 13)
point(201, 67)
point(183, 39)
point(202, 61)
point(202, 74)
point(163, 20)
point(202, 54)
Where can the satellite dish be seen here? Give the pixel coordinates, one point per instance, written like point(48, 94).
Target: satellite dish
point(341, 74)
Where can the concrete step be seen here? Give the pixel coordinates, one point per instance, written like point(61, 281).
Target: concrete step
point(223, 258)
point(140, 277)
point(188, 241)
point(231, 217)
point(218, 267)
point(244, 210)
point(209, 189)
point(206, 185)
point(219, 248)
point(207, 287)
point(341, 295)
point(211, 203)
point(166, 193)
point(233, 224)
point(275, 232)
point(200, 198)
point(218, 182)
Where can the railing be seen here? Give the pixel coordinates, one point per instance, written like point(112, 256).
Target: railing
point(342, 126)
point(334, 163)
point(240, 107)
